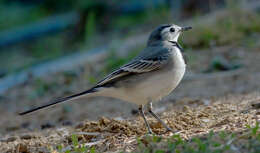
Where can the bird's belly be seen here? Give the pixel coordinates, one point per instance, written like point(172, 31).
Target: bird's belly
point(155, 87)
point(163, 85)
point(148, 87)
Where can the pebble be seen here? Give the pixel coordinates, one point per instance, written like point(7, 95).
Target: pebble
point(27, 136)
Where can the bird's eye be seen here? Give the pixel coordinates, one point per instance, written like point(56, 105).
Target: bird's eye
point(172, 30)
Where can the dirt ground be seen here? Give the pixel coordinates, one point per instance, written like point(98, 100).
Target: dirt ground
point(202, 102)
point(191, 117)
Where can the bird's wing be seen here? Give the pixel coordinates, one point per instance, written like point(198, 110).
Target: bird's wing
point(141, 64)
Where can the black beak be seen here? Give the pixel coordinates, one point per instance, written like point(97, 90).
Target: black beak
point(185, 28)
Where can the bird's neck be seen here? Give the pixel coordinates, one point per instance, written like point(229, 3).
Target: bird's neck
point(179, 59)
point(176, 44)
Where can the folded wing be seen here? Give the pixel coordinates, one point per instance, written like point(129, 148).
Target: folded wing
point(141, 64)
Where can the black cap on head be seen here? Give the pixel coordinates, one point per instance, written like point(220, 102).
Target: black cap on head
point(156, 34)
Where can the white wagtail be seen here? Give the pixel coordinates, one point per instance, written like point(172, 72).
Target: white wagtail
point(148, 77)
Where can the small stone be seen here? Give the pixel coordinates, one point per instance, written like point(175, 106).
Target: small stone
point(255, 105)
point(27, 136)
point(257, 113)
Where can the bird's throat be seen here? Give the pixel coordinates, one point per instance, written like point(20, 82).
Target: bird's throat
point(175, 43)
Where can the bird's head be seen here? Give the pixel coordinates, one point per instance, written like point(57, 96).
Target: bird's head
point(166, 32)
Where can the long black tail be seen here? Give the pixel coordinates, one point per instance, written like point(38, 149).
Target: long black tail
point(60, 100)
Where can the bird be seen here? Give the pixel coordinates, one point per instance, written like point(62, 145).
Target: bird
point(147, 78)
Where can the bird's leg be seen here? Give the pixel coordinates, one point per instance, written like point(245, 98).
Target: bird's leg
point(150, 107)
point(141, 110)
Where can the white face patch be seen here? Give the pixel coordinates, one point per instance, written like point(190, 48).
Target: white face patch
point(171, 33)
